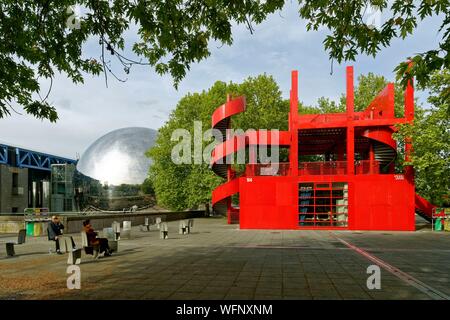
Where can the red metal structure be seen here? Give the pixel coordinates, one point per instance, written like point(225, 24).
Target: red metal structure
point(353, 186)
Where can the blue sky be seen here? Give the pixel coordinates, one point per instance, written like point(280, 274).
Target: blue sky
point(279, 45)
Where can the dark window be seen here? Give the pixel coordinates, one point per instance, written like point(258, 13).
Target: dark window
point(15, 180)
point(323, 204)
point(14, 210)
point(68, 205)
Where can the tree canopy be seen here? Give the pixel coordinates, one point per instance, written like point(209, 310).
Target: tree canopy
point(40, 38)
point(147, 187)
point(431, 143)
point(353, 30)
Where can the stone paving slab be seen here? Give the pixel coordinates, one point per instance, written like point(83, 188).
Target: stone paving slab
point(219, 261)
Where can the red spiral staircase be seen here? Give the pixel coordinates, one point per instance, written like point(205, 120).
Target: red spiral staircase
point(385, 150)
point(228, 146)
point(221, 196)
point(384, 147)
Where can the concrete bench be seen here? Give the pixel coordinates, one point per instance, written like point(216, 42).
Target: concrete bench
point(164, 230)
point(190, 225)
point(116, 229)
point(183, 227)
point(74, 254)
point(148, 222)
point(20, 240)
point(158, 222)
point(113, 242)
point(126, 230)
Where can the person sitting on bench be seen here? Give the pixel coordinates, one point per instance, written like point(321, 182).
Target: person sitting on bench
point(55, 231)
point(94, 241)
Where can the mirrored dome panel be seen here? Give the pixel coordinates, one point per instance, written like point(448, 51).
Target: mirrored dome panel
point(119, 157)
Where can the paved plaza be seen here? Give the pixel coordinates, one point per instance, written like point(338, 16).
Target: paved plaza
point(219, 261)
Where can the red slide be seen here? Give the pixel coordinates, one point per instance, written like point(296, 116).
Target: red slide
point(424, 208)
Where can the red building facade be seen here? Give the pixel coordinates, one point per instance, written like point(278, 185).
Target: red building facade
point(350, 183)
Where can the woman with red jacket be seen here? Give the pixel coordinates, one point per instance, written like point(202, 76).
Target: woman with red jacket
point(94, 241)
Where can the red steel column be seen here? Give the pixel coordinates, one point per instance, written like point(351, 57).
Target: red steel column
point(293, 116)
point(371, 159)
point(229, 170)
point(409, 170)
point(409, 115)
point(350, 129)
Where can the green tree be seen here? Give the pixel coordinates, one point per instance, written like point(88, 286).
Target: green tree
point(354, 32)
point(185, 186)
point(147, 187)
point(326, 105)
point(40, 38)
point(124, 190)
point(431, 143)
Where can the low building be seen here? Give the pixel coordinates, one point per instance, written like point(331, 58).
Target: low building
point(25, 179)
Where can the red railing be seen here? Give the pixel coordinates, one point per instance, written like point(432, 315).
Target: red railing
point(322, 168)
point(337, 167)
point(367, 167)
point(312, 168)
point(270, 169)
